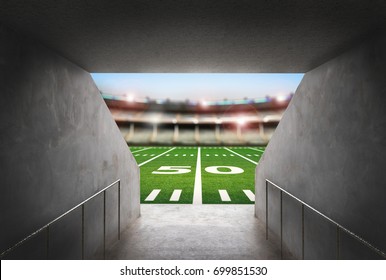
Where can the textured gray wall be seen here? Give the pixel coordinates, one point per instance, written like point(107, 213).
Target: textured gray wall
point(330, 151)
point(58, 146)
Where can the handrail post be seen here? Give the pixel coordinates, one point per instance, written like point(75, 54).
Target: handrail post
point(302, 231)
point(48, 242)
point(83, 231)
point(119, 210)
point(104, 225)
point(337, 243)
point(266, 209)
point(281, 224)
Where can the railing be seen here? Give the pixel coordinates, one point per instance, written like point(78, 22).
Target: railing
point(47, 226)
point(339, 227)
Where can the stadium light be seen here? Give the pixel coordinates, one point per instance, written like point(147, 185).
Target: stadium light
point(195, 121)
point(204, 103)
point(174, 121)
point(129, 97)
point(241, 121)
point(280, 98)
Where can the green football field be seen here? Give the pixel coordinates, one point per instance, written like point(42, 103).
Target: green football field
point(198, 175)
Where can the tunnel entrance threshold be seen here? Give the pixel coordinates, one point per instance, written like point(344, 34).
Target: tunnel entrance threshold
point(216, 232)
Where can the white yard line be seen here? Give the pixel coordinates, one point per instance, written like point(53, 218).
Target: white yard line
point(141, 150)
point(249, 194)
point(197, 192)
point(176, 195)
point(256, 149)
point(254, 162)
point(149, 160)
point(224, 195)
point(152, 195)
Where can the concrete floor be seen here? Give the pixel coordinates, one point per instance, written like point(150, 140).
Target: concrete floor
point(195, 232)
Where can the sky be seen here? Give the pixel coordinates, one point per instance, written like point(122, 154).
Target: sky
point(197, 86)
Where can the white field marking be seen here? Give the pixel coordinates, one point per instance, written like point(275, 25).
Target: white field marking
point(184, 155)
point(254, 162)
point(144, 155)
point(256, 155)
point(175, 195)
point(224, 155)
point(152, 195)
point(249, 194)
point(257, 149)
point(141, 150)
point(231, 155)
point(152, 155)
point(216, 155)
point(143, 163)
point(249, 155)
point(191, 155)
point(168, 155)
point(224, 195)
point(197, 192)
point(137, 155)
point(207, 155)
point(176, 155)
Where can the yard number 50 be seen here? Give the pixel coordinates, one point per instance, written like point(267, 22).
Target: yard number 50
point(169, 170)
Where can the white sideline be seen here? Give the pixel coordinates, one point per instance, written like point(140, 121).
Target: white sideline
point(141, 150)
point(176, 195)
point(254, 162)
point(152, 195)
point(197, 192)
point(249, 194)
point(224, 195)
point(143, 163)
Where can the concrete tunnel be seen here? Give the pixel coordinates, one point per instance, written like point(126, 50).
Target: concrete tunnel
point(60, 145)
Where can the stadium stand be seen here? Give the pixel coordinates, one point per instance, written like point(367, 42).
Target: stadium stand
point(165, 134)
point(186, 135)
point(142, 134)
point(230, 136)
point(208, 135)
point(235, 122)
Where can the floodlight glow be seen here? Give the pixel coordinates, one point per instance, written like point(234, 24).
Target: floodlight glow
point(281, 98)
point(195, 121)
point(241, 121)
point(204, 103)
point(174, 121)
point(129, 97)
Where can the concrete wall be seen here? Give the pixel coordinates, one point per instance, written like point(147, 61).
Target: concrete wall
point(330, 151)
point(58, 146)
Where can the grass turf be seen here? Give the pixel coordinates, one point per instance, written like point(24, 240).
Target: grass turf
point(186, 158)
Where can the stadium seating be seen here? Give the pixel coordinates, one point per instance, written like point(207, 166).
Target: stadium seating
point(208, 136)
point(164, 135)
point(175, 123)
point(141, 135)
point(186, 136)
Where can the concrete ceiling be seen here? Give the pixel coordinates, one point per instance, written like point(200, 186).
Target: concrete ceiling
point(196, 35)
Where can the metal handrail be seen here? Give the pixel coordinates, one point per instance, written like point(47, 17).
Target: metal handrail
point(338, 226)
point(47, 226)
